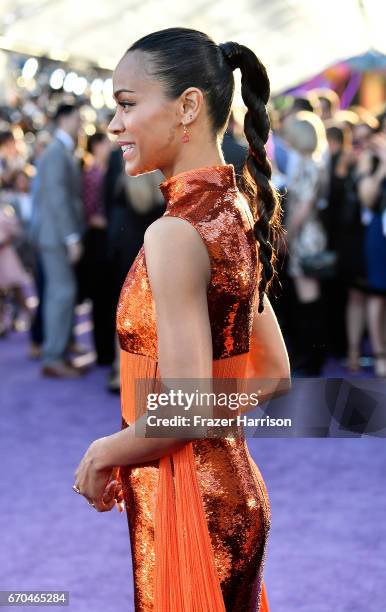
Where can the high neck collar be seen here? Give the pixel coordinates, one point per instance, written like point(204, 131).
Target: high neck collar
point(209, 178)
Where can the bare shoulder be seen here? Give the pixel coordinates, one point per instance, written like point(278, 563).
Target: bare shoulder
point(173, 247)
point(173, 233)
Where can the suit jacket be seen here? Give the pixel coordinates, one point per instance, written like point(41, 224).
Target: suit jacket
point(59, 209)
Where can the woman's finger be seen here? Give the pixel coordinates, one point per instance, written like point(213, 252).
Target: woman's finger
point(101, 506)
point(109, 492)
point(119, 494)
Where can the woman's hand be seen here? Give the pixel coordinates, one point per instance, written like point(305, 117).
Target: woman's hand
point(98, 484)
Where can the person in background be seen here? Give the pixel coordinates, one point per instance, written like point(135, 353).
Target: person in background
point(13, 277)
point(19, 197)
point(11, 160)
point(305, 134)
point(22, 203)
point(283, 154)
point(308, 101)
point(372, 192)
point(339, 144)
point(59, 233)
point(94, 263)
point(279, 149)
point(352, 263)
point(132, 204)
point(340, 166)
point(328, 102)
point(234, 152)
point(37, 332)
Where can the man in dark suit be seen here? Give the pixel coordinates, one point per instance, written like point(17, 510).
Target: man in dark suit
point(58, 236)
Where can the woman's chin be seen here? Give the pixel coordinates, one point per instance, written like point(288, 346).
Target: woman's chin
point(135, 169)
point(132, 168)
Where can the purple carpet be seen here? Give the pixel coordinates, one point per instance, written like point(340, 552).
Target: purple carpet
point(327, 547)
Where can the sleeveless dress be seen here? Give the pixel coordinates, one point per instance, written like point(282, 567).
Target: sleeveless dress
point(199, 518)
point(375, 245)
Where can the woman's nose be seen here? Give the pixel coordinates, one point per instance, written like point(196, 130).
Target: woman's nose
point(115, 126)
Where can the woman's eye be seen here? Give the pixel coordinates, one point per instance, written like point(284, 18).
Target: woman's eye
point(126, 105)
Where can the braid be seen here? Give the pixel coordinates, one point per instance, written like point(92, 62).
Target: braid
point(256, 184)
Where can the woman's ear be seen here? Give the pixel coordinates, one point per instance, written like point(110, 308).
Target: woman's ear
point(192, 101)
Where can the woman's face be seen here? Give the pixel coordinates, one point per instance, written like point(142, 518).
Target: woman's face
point(360, 140)
point(146, 122)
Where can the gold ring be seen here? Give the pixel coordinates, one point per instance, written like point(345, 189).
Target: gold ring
point(76, 489)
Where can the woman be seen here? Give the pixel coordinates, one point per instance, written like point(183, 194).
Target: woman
point(133, 203)
point(372, 192)
point(351, 248)
point(13, 276)
point(198, 511)
point(306, 236)
point(346, 293)
point(335, 290)
point(93, 270)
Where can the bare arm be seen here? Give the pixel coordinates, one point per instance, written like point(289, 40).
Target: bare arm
point(299, 215)
point(305, 202)
point(269, 354)
point(179, 271)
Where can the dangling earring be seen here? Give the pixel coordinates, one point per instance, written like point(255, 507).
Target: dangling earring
point(185, 137)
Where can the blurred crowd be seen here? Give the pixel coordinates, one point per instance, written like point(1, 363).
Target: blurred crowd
point(330, 166)
point(72, 222)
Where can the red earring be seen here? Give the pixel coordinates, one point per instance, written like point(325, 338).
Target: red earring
point(185, 137)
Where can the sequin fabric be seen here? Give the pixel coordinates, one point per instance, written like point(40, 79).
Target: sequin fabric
point(234, 495)
point(209, 200)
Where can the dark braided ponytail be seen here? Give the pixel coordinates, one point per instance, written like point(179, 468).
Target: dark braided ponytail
point(263, 198)
point(181, 58)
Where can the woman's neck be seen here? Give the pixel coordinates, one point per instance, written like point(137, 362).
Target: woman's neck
point(195, 157)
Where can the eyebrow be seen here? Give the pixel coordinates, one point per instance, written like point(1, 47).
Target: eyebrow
point(116, 93)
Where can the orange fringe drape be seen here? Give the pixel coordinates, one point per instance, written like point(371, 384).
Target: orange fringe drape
point(185, 575)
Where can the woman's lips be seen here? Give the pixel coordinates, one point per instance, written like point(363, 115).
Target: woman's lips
point(127, 149)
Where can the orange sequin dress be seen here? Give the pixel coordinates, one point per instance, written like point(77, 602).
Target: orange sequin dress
point(199, 518)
